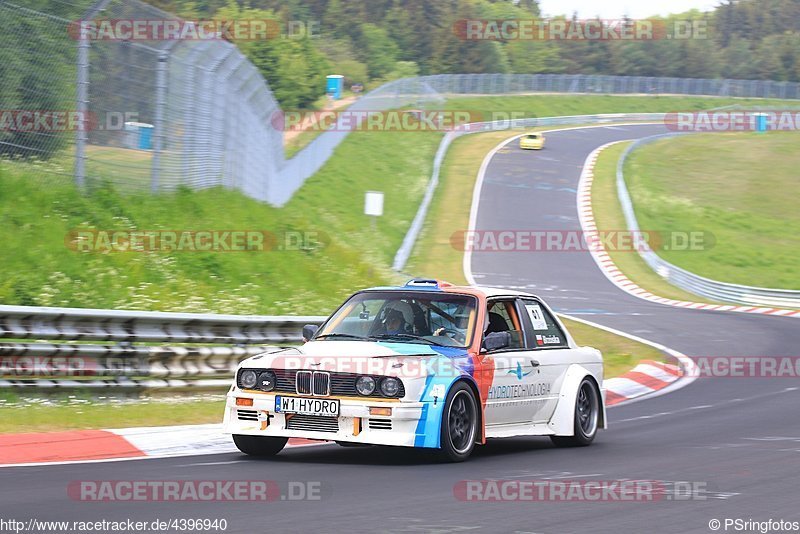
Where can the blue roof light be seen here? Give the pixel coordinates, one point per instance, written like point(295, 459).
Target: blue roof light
point(425, 283)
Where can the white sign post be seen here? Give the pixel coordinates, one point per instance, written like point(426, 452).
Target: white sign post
point(373, 205)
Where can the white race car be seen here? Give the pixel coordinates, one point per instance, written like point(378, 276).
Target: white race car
point(426, 365)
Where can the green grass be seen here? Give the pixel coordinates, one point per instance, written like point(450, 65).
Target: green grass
point(83, 415)
point(609, 217)
point(741, 188)
point(36, 215)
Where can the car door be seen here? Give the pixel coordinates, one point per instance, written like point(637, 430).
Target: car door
point(548, 349)
point(509, 400)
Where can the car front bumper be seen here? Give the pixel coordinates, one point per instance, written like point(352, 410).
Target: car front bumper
point(411, 424)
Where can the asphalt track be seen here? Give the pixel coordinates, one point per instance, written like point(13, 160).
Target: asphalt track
point(738, 438)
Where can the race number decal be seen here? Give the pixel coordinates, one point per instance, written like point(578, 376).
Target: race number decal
point(537, 317)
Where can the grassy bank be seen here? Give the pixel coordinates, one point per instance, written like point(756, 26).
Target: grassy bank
point(739, 189)
point(344, 252)
point(609, 217)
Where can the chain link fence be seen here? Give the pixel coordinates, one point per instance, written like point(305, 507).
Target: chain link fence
point(158, 115)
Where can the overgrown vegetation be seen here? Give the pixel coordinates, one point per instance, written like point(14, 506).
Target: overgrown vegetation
point(381, 40)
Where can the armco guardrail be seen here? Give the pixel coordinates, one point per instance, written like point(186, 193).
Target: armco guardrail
point(75, 324)
point(123, 361)
point(699, 285)
point(404, 252)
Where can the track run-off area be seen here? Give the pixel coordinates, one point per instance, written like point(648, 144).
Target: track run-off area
point(733, 442)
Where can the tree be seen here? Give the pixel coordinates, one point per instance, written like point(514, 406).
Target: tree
point(738, 61)
point(378, 50)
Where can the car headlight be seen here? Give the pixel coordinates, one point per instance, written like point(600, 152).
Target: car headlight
point(365, 385)
point(248, 379)
point(266, 381)
point(390, 386)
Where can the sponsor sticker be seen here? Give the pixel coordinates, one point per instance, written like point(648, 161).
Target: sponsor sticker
point(547, 340)
point(537, 317)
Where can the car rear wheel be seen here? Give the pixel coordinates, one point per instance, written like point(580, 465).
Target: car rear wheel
point(259, 445)
point(587, 416)
point(459, 424)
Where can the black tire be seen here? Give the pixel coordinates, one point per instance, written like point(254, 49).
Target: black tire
point(459, 424)
point(587, 417)
point(259, 445)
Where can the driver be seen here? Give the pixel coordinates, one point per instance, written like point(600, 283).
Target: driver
point(394, 322)
point(399, 318)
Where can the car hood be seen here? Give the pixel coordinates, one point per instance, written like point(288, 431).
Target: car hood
point(364, 357)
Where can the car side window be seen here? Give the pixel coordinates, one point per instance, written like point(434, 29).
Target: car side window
point(542, 330)
point(502, 317)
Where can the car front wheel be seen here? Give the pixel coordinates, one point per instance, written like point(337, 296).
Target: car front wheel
point(587, 416)
point(459, 424)
point(259, 445)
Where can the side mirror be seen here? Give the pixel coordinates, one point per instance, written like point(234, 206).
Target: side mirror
point(309, 330)
point(497, 341)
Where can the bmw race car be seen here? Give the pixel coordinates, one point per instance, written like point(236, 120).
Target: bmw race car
point(426, 365)
point(532, 141)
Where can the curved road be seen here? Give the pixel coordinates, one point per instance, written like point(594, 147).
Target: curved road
point(738, 440)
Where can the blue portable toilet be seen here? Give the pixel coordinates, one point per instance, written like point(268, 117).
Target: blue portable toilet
point(140, 135)
point(335, 86)
point(760, 120)
point(145, 136)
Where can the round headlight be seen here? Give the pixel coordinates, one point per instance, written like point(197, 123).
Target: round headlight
point(248, 379)
point(390, 386)
point(266, 381)
point(365, 385)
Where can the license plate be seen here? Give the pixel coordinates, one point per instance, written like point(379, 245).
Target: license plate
point(305, 406)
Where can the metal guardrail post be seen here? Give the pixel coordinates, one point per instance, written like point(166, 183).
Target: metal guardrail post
point(158, 120)
point(82, 93)
point(82, 105)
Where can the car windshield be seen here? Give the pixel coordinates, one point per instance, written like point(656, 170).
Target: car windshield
point(425, 317)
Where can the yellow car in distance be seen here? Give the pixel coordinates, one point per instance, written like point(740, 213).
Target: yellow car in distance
point(531, 141)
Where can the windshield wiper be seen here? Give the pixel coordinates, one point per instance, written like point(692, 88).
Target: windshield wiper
point(407, 336)
point(340, 334)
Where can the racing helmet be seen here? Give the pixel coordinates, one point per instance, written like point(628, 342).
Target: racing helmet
point(403, 308)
